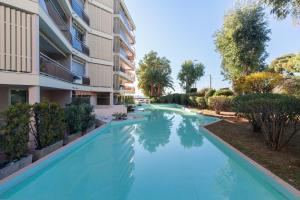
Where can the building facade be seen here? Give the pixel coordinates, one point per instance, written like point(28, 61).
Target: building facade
point(64, 49)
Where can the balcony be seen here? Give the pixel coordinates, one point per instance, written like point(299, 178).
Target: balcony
point(79, 10)
point(51, 68)
point(53, 9)
point(80, 45)
point(125, 89)
point(124, 73)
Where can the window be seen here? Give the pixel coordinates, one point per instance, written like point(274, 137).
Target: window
point(103, 99)
point(18, 96)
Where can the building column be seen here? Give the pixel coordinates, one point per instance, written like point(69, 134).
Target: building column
point(34, 95)
point(93, 100)
point(111, 98)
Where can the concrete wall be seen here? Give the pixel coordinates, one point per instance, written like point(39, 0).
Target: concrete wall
point(62, 97)
point(100, 75)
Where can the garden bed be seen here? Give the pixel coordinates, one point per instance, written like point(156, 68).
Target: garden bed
point(238, 133)
point(38, 154)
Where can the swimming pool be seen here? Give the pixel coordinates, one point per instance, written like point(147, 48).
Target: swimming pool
point(166, 155)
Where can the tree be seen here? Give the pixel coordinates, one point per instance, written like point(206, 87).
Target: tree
point(242, 41)
point(287, 64)
point(190, 72)
point(283, 8)
point(154, 75)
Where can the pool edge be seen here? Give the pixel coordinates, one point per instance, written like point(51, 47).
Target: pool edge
point(295, 192)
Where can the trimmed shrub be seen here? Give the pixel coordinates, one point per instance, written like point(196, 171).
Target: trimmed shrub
point(202, 92)
point(48, 126)
point(201, 103)
point(73, 118)
point(278, 116)
point(209, 93)
point(192, 101)
point(219, 103)
point(14, 131)
point(79, 117)
point(223, 92)
point(88, 119)
point(183, 99)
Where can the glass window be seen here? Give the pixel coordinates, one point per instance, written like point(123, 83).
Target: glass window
point(18, 96)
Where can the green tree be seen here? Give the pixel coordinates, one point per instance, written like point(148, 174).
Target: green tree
point(287, 64)
point(190, 72)
point(242, 41)
point(154, 75)
point(283, 8)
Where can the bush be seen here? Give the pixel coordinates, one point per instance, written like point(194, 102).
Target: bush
point(183, 99)
point(202, 92)
point(192, 101)
point(120, 116)
point(193, 90)
point(201, 103)
point(219, 103)
point(209, 93)
point(14, 131)
point(48, 126)
point(79, 117)
point(88, 119)
point(224, 92)
point(259, 82)
point(276, 114)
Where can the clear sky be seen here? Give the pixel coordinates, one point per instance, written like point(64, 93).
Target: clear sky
point(184, 29)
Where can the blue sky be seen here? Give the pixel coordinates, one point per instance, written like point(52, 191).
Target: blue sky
point(184, 29)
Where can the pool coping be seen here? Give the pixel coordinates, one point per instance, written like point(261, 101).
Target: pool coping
point(295, 192)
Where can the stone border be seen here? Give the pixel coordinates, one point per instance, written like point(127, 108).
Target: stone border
point(259, 167)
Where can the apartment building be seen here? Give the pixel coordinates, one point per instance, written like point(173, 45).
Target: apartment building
point(65, 49)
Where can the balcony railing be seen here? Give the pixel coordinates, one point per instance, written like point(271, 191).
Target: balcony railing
point(121, 69)
point(54, 69)
point(79, 11)
point(59, 19)
point(80, 45)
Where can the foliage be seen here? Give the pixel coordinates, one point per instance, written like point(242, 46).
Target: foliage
point(192, 101)
point(259, 82)
point(287, 64)
point(283, 8)
point(120, 116)
point(278, 116)
point(126, 100)
point(209, 93)
point(14, 131)
point(193, 90)
point(48, 126)
point(202, 92)
point(219, 103)
point(73, 118)
point(190, 72)
point(242, 41)
point(154, 75)
point(88, 119)
point(223, 92)
point(79, 117)
point(291, 86)
point(201, 102)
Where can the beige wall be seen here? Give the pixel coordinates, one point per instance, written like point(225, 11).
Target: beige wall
point(108, 3)
point(15, 40)
point(100, 48)
point(100, 19)
point(100, 75)
point(62, 97)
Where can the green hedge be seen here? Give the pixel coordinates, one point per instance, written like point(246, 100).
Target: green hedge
point(79, 117)
point(14, 131)
point(49, 126)
point(223, 92)
point(276, 115)
point(219, 103)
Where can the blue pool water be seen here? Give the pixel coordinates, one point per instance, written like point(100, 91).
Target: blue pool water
point(168, 156)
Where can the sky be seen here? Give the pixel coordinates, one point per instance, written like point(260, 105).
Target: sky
point(184, 29)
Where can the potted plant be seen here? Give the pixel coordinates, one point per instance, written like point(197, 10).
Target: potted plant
point(14, 138)
point(48, 128)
